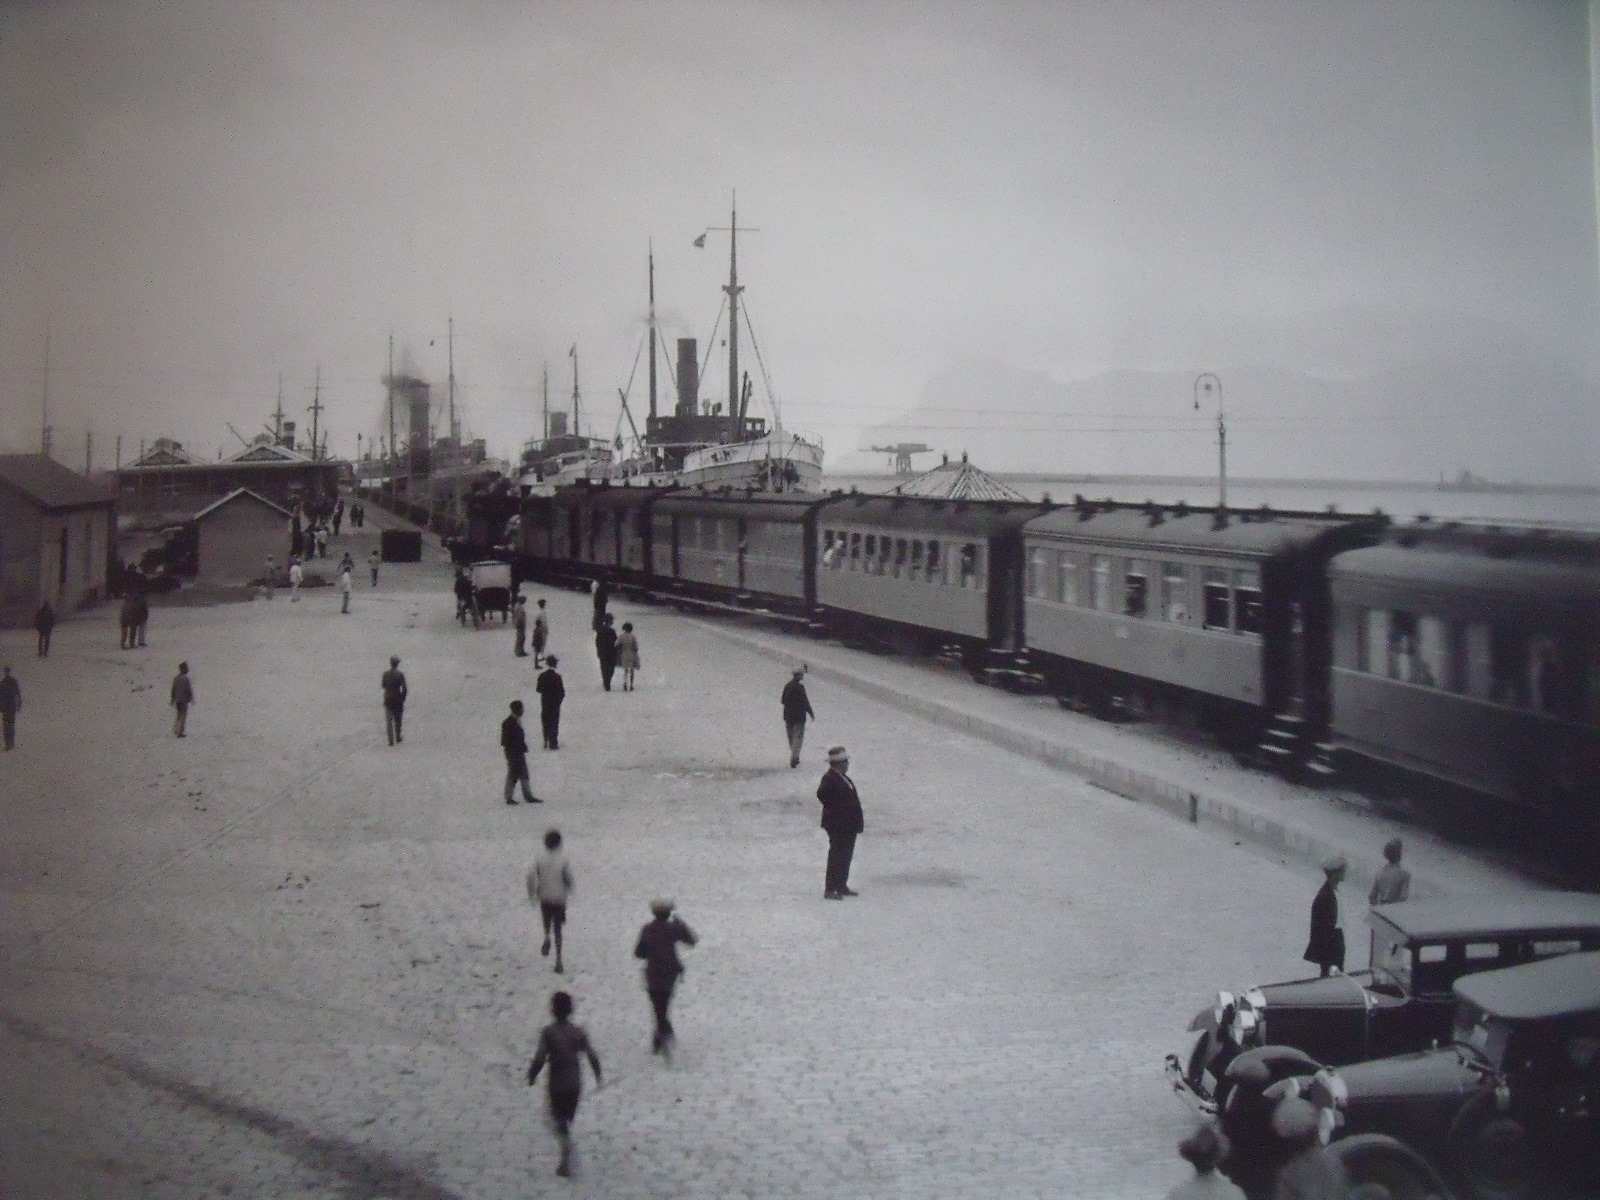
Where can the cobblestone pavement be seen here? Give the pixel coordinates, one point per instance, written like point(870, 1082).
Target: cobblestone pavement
point(279, 958)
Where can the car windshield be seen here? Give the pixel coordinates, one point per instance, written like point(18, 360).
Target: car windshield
point(1391, 961)
point(1482, 1033)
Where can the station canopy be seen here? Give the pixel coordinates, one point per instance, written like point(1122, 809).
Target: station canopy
point(957, 481)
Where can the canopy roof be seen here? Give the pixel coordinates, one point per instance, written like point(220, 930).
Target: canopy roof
point(957, 481)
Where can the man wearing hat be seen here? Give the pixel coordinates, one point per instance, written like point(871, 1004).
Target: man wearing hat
point(796, 708)
point(658, 946)
point(1326, 947)
point(1313, 1173)
point(842, 819)
point(551, 693)
point(394, 700)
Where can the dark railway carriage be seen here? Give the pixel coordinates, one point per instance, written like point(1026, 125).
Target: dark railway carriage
point(490, 530)
point(923, 571)
point(1469, 656)
point(609, 532)
point(536, 538)
point(1223, 618)
point(736, 548)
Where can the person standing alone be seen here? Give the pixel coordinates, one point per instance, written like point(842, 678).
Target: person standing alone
point(1326, 945)
point(344, 586)
point(842, 819)
point(394, 700)
point(551, 693)
point(182, 697)
point(628, 654)
point(43, 622)
point(519, 622)
point(549, 886)
point(541, 633)
point(515, 744)
point(10, 706)
point(560, 1044)
point(373, 560)
point(796, 708)
point(605, 649)
point(658, 946)
point(296, 577)
point(1393, 883)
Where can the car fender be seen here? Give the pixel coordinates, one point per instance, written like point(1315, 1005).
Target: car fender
point(1377, 1158)
point(1205, 1021)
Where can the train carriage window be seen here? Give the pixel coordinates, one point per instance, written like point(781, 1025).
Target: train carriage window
point(830, 548)
point(1433, 652)
point(1218, 600)
point(1068, 590)
point(1136, 588)
point(870, 564)
point(1405, 658)
point(970, 570)
point(1100, 568)
point(935, 564)
point(1247, 601)
point(916, 559)
point(1036, 572)
point(1510, 666)
point(1478, 661)
point(1557, 679)
point(884, 546)
point(1375, 641)
point(855, 550)
point(1177, 591)
point(902, 553)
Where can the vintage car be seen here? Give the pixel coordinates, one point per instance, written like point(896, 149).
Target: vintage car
point(1511, 1107)
point(1402, 1002)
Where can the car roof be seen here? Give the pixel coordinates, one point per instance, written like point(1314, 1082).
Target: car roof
point(1543, 912)
point(1566, 985)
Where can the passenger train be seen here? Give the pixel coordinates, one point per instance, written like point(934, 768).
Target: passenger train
point(1458, 661)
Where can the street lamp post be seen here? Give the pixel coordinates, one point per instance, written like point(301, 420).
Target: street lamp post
point(1208, 383)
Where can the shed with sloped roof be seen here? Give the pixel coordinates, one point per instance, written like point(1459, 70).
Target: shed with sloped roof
point(56, 536)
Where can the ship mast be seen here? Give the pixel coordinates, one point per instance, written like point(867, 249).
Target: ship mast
point(652, 337)
point(733, 322)
point(574, 353)
point(547, 401)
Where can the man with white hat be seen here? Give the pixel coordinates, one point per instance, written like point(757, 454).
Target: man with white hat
point(796, 708)
point(842, 819)
point(1326, 947)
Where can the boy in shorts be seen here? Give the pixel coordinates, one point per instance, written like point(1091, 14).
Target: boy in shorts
point(560, 1043)
point(549, 885)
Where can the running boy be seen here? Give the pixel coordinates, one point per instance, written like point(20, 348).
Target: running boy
point(549, 885)
point(560, 1043)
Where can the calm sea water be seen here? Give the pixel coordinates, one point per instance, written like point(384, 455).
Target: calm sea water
point(1535, 507)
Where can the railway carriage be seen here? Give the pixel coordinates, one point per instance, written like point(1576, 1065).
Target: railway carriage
point(1216, 616)
point(536, 538)
point(924, 572)
point(1469, 657)
point(609, 532)
point(736, 548)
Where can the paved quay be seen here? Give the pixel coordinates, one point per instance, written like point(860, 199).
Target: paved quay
point(279, 958)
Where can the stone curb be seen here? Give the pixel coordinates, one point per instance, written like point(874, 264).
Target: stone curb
point(1195, 806)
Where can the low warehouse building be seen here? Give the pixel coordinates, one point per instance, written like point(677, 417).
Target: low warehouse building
point(235, 535)
point(56, 530)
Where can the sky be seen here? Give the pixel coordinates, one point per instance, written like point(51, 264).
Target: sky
point(197, 197)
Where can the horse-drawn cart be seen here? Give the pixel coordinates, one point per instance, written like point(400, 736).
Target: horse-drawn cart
point(491, 588)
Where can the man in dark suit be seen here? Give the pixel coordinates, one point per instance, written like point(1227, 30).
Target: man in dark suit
point(1326, 947)
point(515, 745)
point(842, 819)
point(796, 708)
point(43, 622)
point(551, 693)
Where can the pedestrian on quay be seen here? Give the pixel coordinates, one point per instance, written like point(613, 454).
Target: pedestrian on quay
point(658, 946)
point(10, 705)
point(373, 560)
point(519, 622)
point(182, 698)
point(394, 700)
point(44, 620)
point(126, 620)
point(1326, 946)
point(346, 563)
point(338, 516)
point(601, 595)
point(344, 587)
point(560, 1044)
point(141, 614)
point(549, 886)
point(796, 708)
point(1312, 1173)
point(271, 575)
point(541, 632)
point(1204, 1150)
point(551, 693)
point(463, 590)
point(322, 541)
point(842, 819)
point(605, 649)
point(296, 578)
point(1393, 883)
point(627, 654)
point(515, 744)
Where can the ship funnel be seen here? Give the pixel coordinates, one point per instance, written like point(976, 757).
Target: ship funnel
point(688, 378)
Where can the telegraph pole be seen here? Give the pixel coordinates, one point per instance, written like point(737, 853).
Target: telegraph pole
point(389, 379)
point(316, 408)
point(277, 415)
point(450, 342)
point(652, 337)
point(547, 400)
point(88, 451)
point(1208, 383)
point(574, 353)
point(44, 403)
point(119, 451)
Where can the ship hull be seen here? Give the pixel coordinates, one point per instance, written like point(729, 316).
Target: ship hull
point(780, 462)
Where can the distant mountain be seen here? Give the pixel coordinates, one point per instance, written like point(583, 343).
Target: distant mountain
point(1514, 418)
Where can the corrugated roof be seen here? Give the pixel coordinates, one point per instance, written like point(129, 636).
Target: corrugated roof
point(234, 495)
point(957, 481)
point(50, 484)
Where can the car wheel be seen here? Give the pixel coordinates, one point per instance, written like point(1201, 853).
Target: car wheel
point(1386, 1166)
point(1490, 1152)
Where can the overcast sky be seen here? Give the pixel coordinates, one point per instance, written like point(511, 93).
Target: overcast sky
point(196, 197)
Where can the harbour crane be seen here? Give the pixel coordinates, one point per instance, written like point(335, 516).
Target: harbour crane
point(902, 452)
